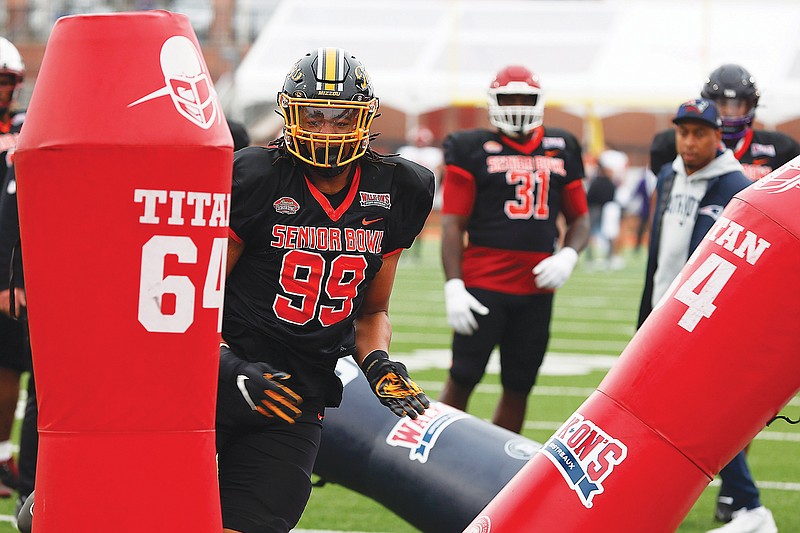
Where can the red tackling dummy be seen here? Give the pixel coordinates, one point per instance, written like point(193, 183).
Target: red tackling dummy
point(123, 170)
point(711, 366)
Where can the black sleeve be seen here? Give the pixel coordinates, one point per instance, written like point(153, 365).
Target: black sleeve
point(461, 147)
point(574, 161)
point(241, 139)
point(790, 150)
point(412, 199)
point(662, 150)
point(9, 233)
point(248, 186)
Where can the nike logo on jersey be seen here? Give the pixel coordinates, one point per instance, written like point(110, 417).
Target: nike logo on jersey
point(240, 379)
point(366, 222)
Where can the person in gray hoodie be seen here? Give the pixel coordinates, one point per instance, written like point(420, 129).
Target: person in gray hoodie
point(690, 195)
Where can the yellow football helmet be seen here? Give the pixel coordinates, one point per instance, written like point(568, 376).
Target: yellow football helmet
point(328, 106)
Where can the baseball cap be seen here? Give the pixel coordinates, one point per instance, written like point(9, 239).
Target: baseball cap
point(701, 109)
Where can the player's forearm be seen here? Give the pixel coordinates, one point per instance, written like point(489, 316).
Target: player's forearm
point(452, 247)
point(373, 332)
point(577, 235)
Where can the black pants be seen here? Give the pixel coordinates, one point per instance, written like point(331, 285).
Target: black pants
point(28, 443)
point(265, 470)
point(519, 325)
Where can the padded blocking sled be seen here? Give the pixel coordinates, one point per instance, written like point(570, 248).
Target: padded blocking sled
point(124, 168)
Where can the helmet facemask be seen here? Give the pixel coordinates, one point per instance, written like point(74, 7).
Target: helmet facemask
point(326, 133)
point(9, 86)
point(516, 119)
point(737, 116)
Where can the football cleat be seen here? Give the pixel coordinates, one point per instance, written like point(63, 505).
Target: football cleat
point(758, 520)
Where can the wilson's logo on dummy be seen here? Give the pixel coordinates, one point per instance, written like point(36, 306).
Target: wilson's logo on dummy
point(187, 82)
point(784, 179)
point(585, 455)
point(373, 198)
point(420, 435)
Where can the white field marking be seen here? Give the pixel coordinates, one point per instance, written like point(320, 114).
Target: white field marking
point(320, 531)
point(774, 485)
point(593, 302)
point(555, 363)
point(491, 388)
point(585, 345)
point(774, 436)
point(559, 345)
point(582, 327)
point(595, 315)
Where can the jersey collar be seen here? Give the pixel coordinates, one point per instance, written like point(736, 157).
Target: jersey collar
point(527, 147)
point(744, 144)
point(322, 200)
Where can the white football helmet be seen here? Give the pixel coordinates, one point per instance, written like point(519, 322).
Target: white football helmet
point(11, 63)
point(516, 119)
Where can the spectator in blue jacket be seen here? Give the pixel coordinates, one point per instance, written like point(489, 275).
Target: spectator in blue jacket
point(690, 194)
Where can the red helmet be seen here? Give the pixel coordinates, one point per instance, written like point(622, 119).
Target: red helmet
point(516, 118)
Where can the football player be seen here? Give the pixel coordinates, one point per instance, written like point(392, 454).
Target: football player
point(318, 221)
point(14, 348)
point(504, 188)
point(736, 95)
point(734, 91)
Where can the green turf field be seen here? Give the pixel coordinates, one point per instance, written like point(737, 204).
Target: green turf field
point(595, 316)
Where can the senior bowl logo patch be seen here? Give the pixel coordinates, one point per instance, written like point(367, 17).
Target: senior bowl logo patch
point(420, 435)
point(492, 147)
point(585, 455)
point(286, 205)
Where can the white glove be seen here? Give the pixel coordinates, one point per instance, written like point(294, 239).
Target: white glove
point(552, 272)
point(460, 304)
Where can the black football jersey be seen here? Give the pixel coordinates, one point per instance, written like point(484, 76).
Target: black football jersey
point(518, 188)
point(9, 217)
point(760, 151)
point(294, 293)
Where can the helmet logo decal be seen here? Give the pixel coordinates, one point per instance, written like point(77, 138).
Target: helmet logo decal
point(187, 83)
point(296, 75)
point(362, 78)
point(330, 71)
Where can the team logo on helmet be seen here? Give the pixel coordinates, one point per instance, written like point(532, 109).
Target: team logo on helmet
point(187, 83)
point(784, 179)
point(296, 74)
point(362, 78)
